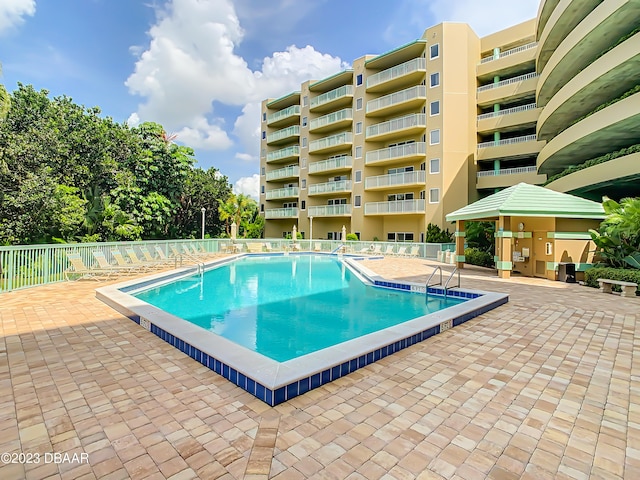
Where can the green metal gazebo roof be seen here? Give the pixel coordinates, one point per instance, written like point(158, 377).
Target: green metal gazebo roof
point(526, 200)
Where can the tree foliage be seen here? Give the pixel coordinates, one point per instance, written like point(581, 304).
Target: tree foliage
point(618, 238)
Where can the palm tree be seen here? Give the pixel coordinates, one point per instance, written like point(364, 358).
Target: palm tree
point(227, 210)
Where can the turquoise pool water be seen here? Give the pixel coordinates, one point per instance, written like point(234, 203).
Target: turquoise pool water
point(284, 307)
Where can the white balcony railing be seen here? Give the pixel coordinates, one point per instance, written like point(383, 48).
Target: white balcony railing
point(293, 151)
point(330, 187)
point(343, 161)
point(414, 65)
point(291, 111)
point(273, 213)
point(396, 206)
point(402, 178)
point(508, 111)
point(401, 123)
point(329, 210)
point(331, 141)
point(345, 114)
point(284, 133)
point(507, 171)
point(506, 53)
point(287, 192)
point(508, 141)
point(398, 151)
point(508, 81)
point(330, 96)
point(286, 172)
point(417, 92)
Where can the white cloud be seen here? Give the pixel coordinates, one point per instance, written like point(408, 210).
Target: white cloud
point(245, 157)
point(248, 185)
point(13, 11)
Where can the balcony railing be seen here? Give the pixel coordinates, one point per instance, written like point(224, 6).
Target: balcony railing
point(291, 111)
point(345, 114)
point(396, 206)
point(344, 161)
point(508, 111)
point(401, 123)
point(293, 151)
point(507, 171)
point(284, 133)
point(508, 81)
point(282, 193)
point(330, 187)
point(419, 91)
point(405, 68)
point(506, 53)
point(508, 141)
point(329, 210)
point(330, 96)
point(331, 141)
point(286, 172)
point(398, 151)
point(402, 178)
point(272, 213)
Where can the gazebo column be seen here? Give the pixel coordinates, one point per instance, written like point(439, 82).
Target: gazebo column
point(460, 238)
point(504, 262)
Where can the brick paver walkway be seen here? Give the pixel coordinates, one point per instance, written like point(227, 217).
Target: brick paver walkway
point(546, 386)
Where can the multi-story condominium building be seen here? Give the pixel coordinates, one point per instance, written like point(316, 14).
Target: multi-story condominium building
point(401, 139)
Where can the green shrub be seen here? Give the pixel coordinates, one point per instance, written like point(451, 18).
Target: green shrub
point(473, 256)
point(435, 234)
point(352, 236)
point(592, 275)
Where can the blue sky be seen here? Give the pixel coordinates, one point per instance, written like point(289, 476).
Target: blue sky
point(201, 67)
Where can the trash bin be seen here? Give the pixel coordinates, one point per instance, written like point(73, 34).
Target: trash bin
point(567, 272)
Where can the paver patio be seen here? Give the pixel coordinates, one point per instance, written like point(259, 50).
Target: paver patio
point(546, 386)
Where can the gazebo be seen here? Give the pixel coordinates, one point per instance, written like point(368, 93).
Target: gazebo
point(537, 230)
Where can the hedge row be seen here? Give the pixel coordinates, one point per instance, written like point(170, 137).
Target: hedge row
point(592, 275)
point(473, 256)
point(602, 106)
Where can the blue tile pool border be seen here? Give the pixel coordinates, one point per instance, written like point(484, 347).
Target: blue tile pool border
point(267, 391)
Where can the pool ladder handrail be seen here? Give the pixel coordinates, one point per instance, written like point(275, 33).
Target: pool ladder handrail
point(446, 285)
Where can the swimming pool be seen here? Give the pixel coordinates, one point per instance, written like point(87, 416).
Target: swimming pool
point(284, 307)
point(274, 381)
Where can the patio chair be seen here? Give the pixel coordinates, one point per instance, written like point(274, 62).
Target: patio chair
point(415, 252)
point(377, 249)
point(254, 247)
point(159, 259)
point(268, 247)
point(402, 251)
point(78, 267)
point(105, 265)
point(317, 247)
point(136, 261)
point(389, 250)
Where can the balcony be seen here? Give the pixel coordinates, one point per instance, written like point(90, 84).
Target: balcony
point(509, 148)
point(509, 118)
point(283, 136)
point(407, 125)
point(332, 121)
point(284, 116)
point(411, 98)
point(508, 177)
point(395, 207)
point(284, 154)
point(276, 213)
point(400, 153)
point(404, 74)
point(282, 174)
point(328, 188)
point(343, 210)
point(339, 141)
point(336, 164)
point(510, 89)
point(281, 193)
point(332, 99)
point(508, 61)
point(403, 179)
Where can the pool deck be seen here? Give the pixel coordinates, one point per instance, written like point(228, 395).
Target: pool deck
point(546, 386)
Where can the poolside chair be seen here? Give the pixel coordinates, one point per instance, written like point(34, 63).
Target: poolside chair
point(122, 262)
point(402, 251)
point(389, 250)
point(105, 265)
point(78, 267)
point(377, 249)
point(254, 247)
point(159, 259)
point(415, 252)
point(364, 250)
point(136, 261)
point(317, 247)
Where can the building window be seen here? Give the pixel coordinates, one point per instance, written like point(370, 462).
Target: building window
point(304, 183)
point(261, 188)
point(434, 165)
point(262, 207)
point(400, 237)
point(303, 163)
point(357, 201)
point(264, 134)
point(359, 103)
point(434, 79)
point(358, 176)
point(434, 108)
point(263, 153)
point(262, 171)
point(434, 51)
point(304, 142)
point(434, 137)
point(264, 116)
point(434, 195)
point(304, 121)
point(303, 205)
point(359, 79)
point(358, 128)
point(305, 101)
point(358, 152)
